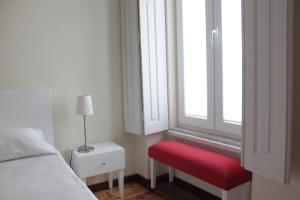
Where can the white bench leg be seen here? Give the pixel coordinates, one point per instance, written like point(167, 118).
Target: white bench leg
point(171, 171)
point(152, 173)
point(241, 192)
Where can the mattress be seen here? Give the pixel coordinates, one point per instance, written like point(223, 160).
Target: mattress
point(46, 177)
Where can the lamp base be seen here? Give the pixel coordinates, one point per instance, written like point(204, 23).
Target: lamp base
point(85, 149)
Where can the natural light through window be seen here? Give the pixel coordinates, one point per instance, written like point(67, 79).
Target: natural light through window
point(194, 58)
point(232, 60)
point(210, 64)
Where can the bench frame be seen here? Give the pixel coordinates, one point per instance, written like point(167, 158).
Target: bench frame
point(241, 192)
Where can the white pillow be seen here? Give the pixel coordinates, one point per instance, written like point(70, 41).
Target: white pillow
point(18, 143)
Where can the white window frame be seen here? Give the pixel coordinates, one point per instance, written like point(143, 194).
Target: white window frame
point(189, 120)
point(214, 122)
point(220, 124)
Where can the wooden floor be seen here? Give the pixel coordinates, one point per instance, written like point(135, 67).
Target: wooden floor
point(133, 191)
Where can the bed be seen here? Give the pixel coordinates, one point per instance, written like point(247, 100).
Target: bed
point(30, 167)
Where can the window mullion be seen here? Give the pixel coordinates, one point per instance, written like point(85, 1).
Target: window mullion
point(218, 64)
point(210, 62)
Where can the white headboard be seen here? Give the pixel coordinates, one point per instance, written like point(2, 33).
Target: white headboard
point(27, 108)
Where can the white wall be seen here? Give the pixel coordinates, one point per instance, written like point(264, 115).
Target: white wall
point(72, 46)
point(142, 161)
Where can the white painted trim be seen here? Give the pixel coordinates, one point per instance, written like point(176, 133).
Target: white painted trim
point(220, 124)
point(131, 70)
point(144, 66)
point(268, 93)
point(243, 108)
point(208, 142)
point(209, 131)
point(154, 65)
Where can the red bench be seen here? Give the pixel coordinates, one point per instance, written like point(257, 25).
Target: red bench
point(219, 170)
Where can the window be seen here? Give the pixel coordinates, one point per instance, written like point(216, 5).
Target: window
point(210, 64)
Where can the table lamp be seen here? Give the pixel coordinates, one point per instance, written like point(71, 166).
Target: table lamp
point(84, 107)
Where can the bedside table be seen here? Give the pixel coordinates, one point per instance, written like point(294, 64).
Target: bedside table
point(107, 157)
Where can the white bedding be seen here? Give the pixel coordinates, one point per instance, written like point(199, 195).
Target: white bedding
point(44, 177)
point(23, 142)
point(40, 174)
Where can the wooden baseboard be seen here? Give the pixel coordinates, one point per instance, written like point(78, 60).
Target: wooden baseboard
point(146, 182)
point(128, 179)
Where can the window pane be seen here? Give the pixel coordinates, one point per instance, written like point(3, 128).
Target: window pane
point(194, 57)
point(232, 60)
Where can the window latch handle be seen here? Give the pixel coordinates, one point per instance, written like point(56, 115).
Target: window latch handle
point(214, 33)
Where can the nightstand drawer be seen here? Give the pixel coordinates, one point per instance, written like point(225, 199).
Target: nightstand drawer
point(98, 164)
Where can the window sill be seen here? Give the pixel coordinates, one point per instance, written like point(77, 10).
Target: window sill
point(215, 142)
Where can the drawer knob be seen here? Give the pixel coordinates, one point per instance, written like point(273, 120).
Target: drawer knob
point(103, 164)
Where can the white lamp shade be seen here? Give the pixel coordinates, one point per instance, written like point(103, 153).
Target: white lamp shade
point(84, 105)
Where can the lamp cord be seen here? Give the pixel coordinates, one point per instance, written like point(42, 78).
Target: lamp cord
point(72, 156)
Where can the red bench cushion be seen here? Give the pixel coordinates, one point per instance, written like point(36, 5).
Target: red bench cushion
point(219, 170)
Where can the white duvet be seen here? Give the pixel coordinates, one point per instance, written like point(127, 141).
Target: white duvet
point(36, 172)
